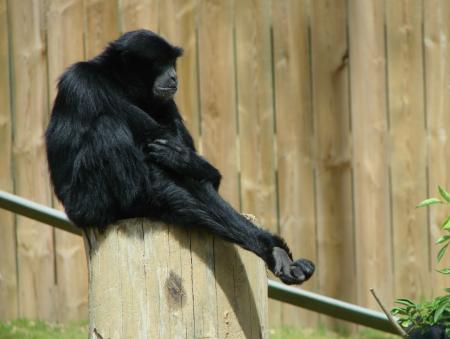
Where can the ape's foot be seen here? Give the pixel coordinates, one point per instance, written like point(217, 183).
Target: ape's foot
point(291, 272)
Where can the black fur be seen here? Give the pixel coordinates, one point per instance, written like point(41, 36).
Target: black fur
point(117, 148)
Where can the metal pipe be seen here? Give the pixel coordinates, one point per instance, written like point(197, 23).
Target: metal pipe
point(329, 306)
point(38, 212)
point(301, 298)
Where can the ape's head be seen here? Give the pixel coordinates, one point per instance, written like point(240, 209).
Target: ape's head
point(148, 61)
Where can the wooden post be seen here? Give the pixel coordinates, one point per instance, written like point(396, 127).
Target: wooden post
point(143, 283)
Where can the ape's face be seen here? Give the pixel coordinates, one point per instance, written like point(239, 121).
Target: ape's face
point(149, 60)
point(165, 83)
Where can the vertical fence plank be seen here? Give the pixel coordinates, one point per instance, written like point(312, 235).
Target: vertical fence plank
point(65, 46)
point(437, 80)
point(102, 25)
point(329, 55)
point(371, 190)
point(182, 31)
point(217, 97)
point(255, 111)
point(291, 69)
point(255, 107)
point(136, 14)
point(408, 149)
point(218, 128)
point(30, 106)
point(8, 274)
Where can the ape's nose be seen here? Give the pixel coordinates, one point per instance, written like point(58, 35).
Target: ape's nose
point(173, 78)
point(173, 75)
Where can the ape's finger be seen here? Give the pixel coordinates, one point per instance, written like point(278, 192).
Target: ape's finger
point(161, 141)
point(156, 148)
point(166, 143)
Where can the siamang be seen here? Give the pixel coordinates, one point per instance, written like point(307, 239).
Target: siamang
point(117, 148)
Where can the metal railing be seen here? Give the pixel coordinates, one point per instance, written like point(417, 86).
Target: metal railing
point(301, 298)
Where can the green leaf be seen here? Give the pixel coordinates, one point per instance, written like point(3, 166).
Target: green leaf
point(428, 202)
point(446, 224)
point(443, 239)
point(444, 194)
point(447, 289)
point(404, 301)
point(398, 310)
point(444, 271)
point(442, 252)
point(439, 311)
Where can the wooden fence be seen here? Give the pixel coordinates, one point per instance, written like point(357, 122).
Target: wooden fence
point(329, 121)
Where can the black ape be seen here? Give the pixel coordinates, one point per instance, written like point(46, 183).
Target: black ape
point(117, 148)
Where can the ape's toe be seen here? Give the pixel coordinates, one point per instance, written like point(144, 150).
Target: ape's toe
point(297, 273)
point(305, 266)
point(291, 272)
point(289, 279)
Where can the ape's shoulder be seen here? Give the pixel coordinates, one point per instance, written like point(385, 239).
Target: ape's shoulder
point(80, 74)
point(88, 89)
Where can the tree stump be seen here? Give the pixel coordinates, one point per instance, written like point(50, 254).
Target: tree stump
point(150, 280)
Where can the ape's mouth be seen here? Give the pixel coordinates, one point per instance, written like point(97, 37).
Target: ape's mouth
point(166, 89)
point(165, 92)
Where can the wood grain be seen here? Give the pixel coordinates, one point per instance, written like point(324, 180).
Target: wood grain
point(437, 80)
point(35, 252)
point(149, 293)
point(8, 273)
point(334, 205)
point(255, 114)
point(183, 32)
point(101, 25)
point(370, 152)
point(219, 144)
point(408, 157)
point(293, 109)
point(137, 14)
point(65, 47)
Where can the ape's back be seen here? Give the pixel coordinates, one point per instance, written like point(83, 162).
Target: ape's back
point(95, 167)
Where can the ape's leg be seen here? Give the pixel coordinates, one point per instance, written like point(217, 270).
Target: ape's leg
point(200, 205)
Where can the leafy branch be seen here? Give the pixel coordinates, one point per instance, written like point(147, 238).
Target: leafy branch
point(412, 316)
point(445, 239)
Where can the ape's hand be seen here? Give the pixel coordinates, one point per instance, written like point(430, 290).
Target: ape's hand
point(169, 153)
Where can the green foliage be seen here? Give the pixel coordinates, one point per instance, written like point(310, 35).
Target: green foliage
point(437, 310)
point(287, 332)
point(427, 313)
point(27, 329)
point(445, 239)
point(428, 202)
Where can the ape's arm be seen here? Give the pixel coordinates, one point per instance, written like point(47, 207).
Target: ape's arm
point(141, 124)
point(171, 154)
point(183, 160)
point(175, 151)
